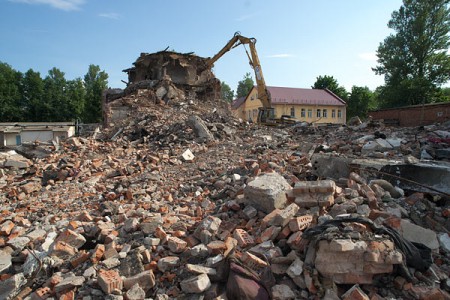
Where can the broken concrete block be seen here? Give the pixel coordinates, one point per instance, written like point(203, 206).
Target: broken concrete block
point(197, 284)
point(188, 155)
point(282, 292)
point(198, 269)
point(200, 128)
point(210, 224)
point(11, 286)
point(168, 262)
point(296, 268)
point(347, 262)
point(146, 280)
point(444, 241)
point(18, 243)
point(69, 283)
point(176, 245)
point(285, 215)
point(5, 261)
point(415, 233)
point(267, 192)
point(135, 293)
point(17, 161)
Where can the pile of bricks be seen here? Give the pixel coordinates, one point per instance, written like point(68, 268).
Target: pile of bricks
point(136, 215)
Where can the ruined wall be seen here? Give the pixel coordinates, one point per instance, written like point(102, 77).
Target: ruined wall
point(414, 115)
point(181, 68)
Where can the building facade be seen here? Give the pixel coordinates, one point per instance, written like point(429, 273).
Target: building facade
point(14, 134)
point(308, 105)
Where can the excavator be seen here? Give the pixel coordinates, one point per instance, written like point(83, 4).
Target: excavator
point(266, 112)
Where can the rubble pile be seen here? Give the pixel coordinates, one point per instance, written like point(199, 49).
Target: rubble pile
point(179, 200)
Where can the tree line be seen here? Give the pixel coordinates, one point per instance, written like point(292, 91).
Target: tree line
point(414, 61)
point(27, 97)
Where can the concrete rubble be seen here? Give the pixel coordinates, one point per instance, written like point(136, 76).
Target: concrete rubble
point(158, 204)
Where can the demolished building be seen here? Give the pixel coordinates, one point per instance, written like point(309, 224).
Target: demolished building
point(164, 76)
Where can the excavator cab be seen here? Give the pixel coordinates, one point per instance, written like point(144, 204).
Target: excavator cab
point(265, 115)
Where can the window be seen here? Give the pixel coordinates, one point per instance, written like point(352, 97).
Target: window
point(303, 113)
point(318, 113)
point(249, 115)
point(292, 111)
point(333, 113)
point(252, 98)
point(325, 113)
point(309, 113)
point(255, 113)
point(339, 114)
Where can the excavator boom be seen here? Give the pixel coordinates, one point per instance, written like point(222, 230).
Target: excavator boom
point(263, 95)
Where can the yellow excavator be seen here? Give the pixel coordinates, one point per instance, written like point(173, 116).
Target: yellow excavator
point(266, 112)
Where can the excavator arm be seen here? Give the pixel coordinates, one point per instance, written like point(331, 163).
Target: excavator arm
point(263, 95)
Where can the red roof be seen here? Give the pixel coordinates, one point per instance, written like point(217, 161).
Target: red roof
point(284, 95)
point(237, 102)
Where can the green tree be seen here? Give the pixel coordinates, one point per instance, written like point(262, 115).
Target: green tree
point(329, 82)
point(361, 100)
point(244, 86)
point(95, 82)
point(32, 92)
point(226, 93)
point(76, 95)
point(414, 60)
point(9, 93)
point(55, 103)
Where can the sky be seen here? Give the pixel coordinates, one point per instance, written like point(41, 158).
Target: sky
point(297, 40)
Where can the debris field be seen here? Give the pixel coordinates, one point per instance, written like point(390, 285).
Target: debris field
point(174, 198)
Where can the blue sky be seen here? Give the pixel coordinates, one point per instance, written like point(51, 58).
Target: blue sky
point(297, 40)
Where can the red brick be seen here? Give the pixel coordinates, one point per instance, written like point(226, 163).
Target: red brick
point(269, 234)
point(192, 241)
point(79, 259)
point(284, 233)
point(6, 227)
point(252, 261)
point(98, 253)
point(216, 247)
point(41, 293)
point(67, 295)
point(109, 280)
point(300, 223)
point(412, 199)
point(355, 293)
point(243, 238)
point(295, 241)
point(160, 234)
point(268, 219)
point(63, 250)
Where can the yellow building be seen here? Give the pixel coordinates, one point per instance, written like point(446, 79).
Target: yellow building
point(309, 105)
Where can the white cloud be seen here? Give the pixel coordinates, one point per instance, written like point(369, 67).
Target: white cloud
point(66, 5)
point(371, 56)
point(281, 55)
point(114, 16)
point(247, 17)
